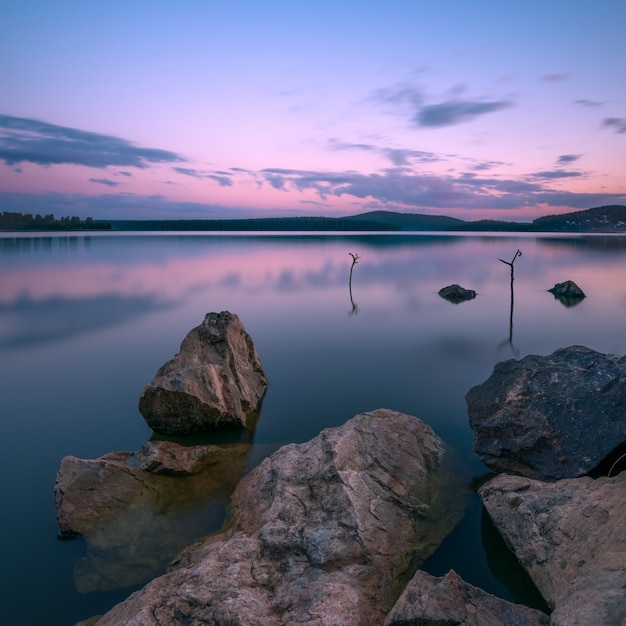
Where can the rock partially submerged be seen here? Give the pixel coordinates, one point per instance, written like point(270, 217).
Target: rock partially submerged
point(568, 293)
point(137, 511)
point(569, 536)
point(324, 532)
point(550, 417)
point(456, 293)
point(448, 600)
point(216, 380)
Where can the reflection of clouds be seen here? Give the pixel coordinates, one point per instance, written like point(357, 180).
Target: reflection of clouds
point(28, 322)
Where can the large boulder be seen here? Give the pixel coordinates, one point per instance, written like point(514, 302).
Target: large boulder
point(324, 532)
point(448, 600)
point(570, 537)
point(137, 511)
point(550, 417)
point(216, 380)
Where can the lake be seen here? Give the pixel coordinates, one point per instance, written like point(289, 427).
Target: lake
point(87, 319)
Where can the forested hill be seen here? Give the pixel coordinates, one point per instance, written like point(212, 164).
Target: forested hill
point(605, 219)
point(602, 219)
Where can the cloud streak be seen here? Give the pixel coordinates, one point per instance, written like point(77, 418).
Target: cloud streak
point(456, 112)
point(24, 140)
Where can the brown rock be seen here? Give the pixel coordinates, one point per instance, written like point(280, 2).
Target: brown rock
point(216, 380)
point(138, 511)
point(325, 532)
point(570, 537)
point(431, 601)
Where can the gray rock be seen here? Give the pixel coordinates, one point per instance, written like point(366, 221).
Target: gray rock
point(550, 417)
point(216, 380)
point(324, 532)
point(570, 537)
point(431, 601)
point(568, 293)
point(138, 511)
point(456, 293)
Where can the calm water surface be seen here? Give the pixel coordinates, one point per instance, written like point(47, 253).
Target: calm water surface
point(85, 322)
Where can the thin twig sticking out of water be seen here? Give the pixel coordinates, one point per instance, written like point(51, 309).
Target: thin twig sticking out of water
point(355, 260)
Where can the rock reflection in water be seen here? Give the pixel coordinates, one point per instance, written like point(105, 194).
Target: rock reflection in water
point(137, 511)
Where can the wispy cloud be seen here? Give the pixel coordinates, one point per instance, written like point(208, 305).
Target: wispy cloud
point(401, 190)
point(588, 103)
point(447, 113)
point(222, 178)
point(553, 174)
point(555, 78)
point(397, 156)
point(568, 158)
point(24, 140)
point(105, 181)
point(618, 124)
point(456, 112)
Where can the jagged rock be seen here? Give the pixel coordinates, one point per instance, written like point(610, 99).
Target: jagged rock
point(550, 417)
point(138, 511)
point(435, 601)
point(324, 532)
point(569, 536)
point(216, 380)
point(568, 293)
point(456, 293)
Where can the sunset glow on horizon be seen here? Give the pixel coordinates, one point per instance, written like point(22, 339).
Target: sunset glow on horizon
point(204, 110)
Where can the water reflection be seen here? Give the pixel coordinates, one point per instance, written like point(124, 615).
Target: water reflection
point(135, 518)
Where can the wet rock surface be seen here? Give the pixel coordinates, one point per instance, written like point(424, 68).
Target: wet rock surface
point(325, 532)
point(137, 511)
point(550, 417)
point(570, 537)
point(215, 381)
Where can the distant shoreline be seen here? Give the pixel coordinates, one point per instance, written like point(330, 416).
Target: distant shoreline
point(605, 219)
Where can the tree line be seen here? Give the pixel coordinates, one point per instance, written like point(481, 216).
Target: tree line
point(10, 220)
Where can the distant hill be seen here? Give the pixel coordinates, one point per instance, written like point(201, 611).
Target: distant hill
point(602, 219)
point(407, 221)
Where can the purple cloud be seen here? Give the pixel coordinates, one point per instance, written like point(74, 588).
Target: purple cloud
point(456, 111)
point(105, 181)
point(27, 140)
point(568, 158)
point(618, 124)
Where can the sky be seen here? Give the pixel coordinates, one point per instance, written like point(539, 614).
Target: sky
point(199, 109)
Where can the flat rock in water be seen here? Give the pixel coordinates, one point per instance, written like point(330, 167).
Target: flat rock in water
point(215, 381)
point(323, 532)
point(449, 600)
point(550, 417)
point(570, 536)
point(137, 511)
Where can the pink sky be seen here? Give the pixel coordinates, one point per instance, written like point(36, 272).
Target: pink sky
point(198, 110)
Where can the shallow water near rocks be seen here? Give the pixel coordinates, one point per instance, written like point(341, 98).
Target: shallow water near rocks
point(86, 321)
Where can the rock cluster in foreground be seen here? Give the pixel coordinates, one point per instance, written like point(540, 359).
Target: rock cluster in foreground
point(215, 381)
point(325, 532)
